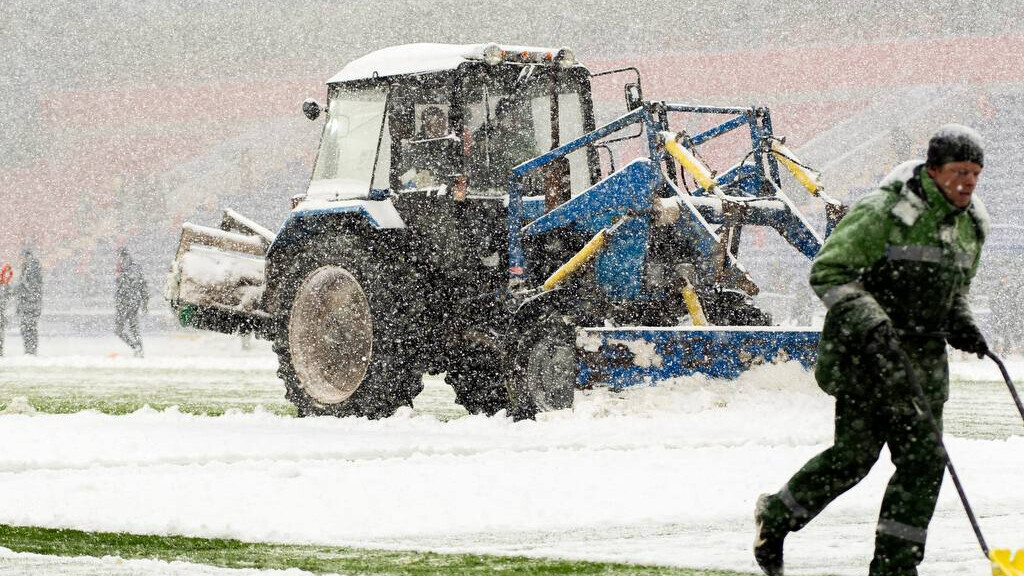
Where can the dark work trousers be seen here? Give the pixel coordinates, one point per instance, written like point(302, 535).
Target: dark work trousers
point(126, 326)
point(862, 427)
point(29, 332)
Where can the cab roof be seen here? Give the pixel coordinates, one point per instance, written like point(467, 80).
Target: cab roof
point(426, 57)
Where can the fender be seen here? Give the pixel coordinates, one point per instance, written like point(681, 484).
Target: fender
point(379, 213)
point(529, 310)
point(313, 220)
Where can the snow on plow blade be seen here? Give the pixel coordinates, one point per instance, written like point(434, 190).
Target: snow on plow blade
point(624, 357)
point(217, 278)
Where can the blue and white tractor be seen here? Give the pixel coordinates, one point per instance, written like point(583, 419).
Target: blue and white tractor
point(465, 215)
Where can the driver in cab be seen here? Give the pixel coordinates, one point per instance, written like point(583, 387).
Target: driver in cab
point(500, 146)
point(428, 153)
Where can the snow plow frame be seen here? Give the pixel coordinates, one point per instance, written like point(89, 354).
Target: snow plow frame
point(620, 211)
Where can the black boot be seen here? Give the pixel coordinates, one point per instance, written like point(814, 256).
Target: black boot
point(768, 540)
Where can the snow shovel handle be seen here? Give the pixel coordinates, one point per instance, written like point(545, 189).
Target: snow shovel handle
point(925, 409)
point(1009, 383)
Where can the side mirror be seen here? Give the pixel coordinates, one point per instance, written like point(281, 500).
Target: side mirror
point(634, 96)
point(311, 109)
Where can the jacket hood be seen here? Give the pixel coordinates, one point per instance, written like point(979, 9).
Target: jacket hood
point(897, 178)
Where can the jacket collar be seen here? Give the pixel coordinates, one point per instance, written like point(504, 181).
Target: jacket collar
point(935, 198)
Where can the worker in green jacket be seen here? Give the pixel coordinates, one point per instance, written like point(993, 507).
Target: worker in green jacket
point(894, 276)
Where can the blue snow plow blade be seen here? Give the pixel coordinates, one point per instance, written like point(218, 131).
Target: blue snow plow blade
point(641, 356)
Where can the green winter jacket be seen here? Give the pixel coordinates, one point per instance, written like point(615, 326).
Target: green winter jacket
point(903, 254)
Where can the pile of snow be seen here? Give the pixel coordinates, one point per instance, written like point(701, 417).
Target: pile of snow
point(666, 474)
point(18, 405)
point(184, 349)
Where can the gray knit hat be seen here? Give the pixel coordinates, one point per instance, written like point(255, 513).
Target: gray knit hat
point(955, 143)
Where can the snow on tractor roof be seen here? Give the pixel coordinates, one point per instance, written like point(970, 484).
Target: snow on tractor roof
point(426, 57)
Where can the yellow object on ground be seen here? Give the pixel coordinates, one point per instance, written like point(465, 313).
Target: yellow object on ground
point(579, 259)
point(701, 174)
point(697, 317)
point(1004, 565)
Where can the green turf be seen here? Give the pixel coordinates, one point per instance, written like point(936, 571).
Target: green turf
point(317, 559)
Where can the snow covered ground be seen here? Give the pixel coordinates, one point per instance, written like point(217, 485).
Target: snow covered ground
point(663, 475)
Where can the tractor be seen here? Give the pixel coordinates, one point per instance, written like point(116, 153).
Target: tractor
point(466, 215)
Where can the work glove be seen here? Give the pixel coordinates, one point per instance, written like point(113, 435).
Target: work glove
point(883, 349)
point(883, 343)
point(969, 339)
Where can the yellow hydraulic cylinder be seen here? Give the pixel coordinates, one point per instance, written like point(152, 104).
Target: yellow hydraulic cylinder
point(808, 178)
point(586, 254)
point(701, 174)
point(697, 317)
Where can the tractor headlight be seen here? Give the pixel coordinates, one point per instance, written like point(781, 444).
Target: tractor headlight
point(493, 55)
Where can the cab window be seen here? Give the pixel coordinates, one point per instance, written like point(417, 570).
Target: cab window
point(508, 122)
point(348, 148)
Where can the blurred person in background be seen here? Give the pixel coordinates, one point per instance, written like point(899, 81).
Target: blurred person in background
point(29, 292)
point(131, 295)
point(6, 274)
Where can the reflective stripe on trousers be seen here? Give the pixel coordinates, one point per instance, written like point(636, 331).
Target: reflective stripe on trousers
point(902, 531)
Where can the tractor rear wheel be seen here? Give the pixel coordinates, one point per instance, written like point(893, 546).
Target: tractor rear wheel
point(339, 333)
point(544, 367)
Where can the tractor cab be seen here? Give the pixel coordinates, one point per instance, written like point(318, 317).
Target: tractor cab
point(452, 121)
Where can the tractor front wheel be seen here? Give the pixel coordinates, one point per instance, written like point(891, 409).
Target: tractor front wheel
point(544, 367)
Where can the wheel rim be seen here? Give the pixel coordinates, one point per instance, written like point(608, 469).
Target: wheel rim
point(551, 372)
point(330, 334)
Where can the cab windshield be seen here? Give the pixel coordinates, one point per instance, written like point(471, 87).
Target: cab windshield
point(348, 146)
